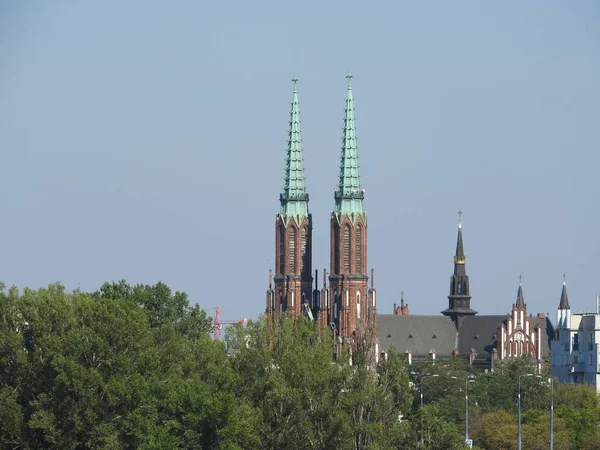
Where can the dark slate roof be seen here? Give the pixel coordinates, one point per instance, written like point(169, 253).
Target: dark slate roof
point(479, 332)
point(564, 298)
point(416, 333)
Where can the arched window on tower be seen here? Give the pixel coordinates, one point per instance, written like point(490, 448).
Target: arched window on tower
point(347, 248)
point(281, 250)
point(358, 308)
point(302, 247)
point(292, 250)
point(358, 249)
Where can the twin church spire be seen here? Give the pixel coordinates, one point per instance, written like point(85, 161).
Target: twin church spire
point(294, 198)
point(348, 302)
point(349, 194)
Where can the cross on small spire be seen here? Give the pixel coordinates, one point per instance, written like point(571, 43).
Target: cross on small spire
point(460, 213)
point(520, 279)
point(295, 80)
point(349, 77)
point(564, 278)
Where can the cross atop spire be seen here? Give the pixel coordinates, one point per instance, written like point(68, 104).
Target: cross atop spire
point(520, 279)
point(349, 194)
point(460, 213)
point(294, 199)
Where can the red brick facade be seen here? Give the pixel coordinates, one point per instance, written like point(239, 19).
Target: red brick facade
point(293, 280)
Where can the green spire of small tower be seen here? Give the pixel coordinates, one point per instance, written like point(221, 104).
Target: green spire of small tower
point(349, 194)
point(294, 199)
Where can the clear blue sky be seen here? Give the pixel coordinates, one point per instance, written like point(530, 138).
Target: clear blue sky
point(145, 141)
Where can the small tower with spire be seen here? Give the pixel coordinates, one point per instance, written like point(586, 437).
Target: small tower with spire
point(354, 304)
point(519, 335)
point(292, 291)
point(563, 314)
point(459, 300)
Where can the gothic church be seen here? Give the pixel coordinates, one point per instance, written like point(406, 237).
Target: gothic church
point(347, 303)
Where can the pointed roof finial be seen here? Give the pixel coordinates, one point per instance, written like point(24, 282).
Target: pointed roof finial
point(459, 257)
point(349, 193)
point(294, 199)
point(520, 279)
point(564, 299)
point(520, 300)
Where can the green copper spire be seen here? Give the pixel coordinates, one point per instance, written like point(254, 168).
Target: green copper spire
point(294, 199)
point(349, 194)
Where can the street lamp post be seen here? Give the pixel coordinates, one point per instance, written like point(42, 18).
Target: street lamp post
point(551, 414)
point(467, 381)
point(519, 410)
point(421, 395)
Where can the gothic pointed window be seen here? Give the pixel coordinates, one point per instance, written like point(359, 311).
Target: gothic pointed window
point(358, 249)
point(281, 250)
point(347, 248)
point(358, 308)
point(302, 247)
point(292, 250)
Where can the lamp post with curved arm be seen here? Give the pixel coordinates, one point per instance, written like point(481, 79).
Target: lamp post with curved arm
point(551, 413)
point(519, 410)
point(467, 381)
point(421, 386)
point(421, 395)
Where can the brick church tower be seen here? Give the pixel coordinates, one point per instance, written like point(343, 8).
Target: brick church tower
point(292, 290)
point(353, 304)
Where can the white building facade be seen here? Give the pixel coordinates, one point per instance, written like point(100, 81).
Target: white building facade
point(576, 347)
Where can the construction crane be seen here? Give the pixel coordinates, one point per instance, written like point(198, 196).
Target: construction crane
point(218, 323)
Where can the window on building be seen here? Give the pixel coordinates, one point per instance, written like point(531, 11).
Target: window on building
point(292, 250)
point(575, 342)
point(357, 249)
point(302, 247)
point(358, 308)
point(281, 250)
point(347, 248)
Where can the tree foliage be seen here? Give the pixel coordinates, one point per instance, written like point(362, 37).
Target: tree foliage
point(135, 367)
